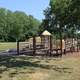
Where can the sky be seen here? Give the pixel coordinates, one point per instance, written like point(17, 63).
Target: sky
point(32, 7)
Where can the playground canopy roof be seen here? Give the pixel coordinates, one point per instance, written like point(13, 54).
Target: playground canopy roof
point(46, 33)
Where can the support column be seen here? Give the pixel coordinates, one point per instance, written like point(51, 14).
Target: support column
point(18, 47)
point(61, 43)
point(77, 46)
point(50, 45)
point(41, 41)
point(65, 47)
point(34, 45)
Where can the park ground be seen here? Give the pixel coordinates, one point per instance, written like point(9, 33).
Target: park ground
point(39, 68)
point(7, 45)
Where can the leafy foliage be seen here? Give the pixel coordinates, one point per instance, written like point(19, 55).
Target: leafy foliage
point(61, 16)
point(17, 25)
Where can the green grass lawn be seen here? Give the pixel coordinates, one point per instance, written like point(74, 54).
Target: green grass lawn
point(39, 68)
point(8, 45)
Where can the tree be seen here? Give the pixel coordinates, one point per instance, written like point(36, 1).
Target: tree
point(33, 25)
point(2, 23)
point(61, 13)
point(17, 25)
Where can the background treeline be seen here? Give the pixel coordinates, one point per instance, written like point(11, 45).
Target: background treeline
point(17, 25)
point(62, 19)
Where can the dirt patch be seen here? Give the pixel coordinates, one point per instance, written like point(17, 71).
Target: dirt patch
point(39, 76)
point(73, 55)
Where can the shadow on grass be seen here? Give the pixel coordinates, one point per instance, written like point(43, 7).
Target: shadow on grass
point(22, 62)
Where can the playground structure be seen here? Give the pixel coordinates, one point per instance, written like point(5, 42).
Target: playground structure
point(45, 44)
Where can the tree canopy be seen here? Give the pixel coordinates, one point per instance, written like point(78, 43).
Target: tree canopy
point(17, 25)
point(61, 16)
